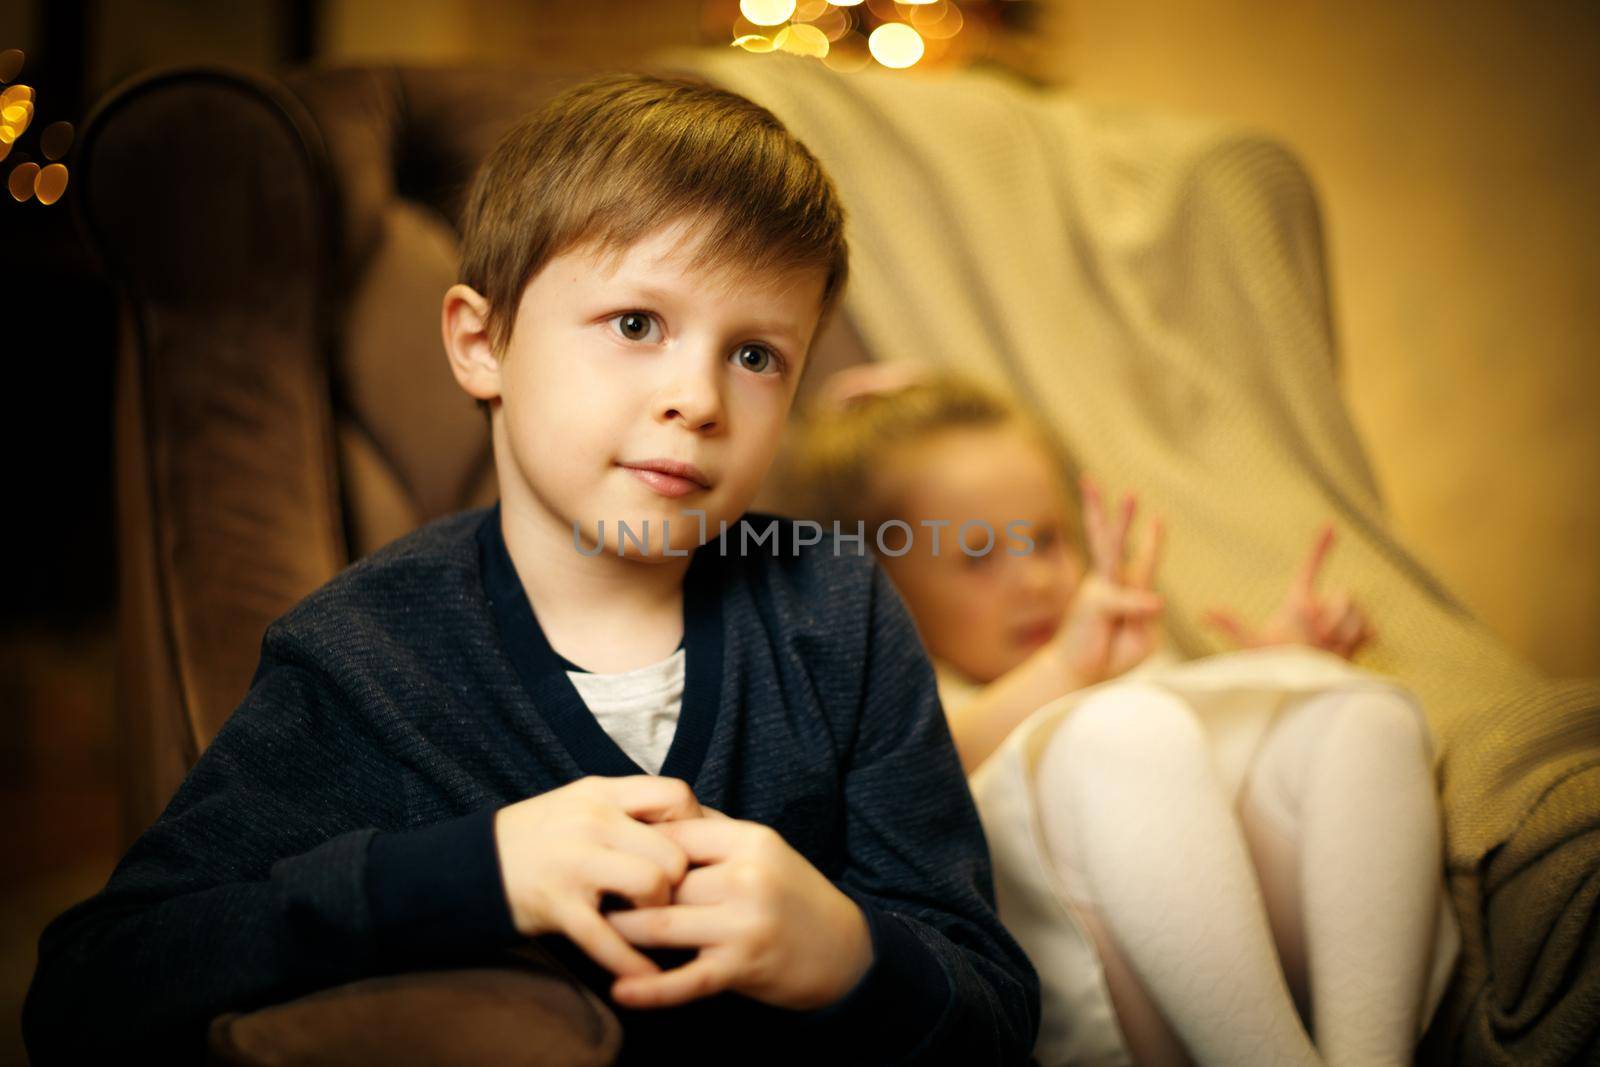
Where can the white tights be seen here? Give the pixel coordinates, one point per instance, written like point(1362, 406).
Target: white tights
point(1212, 917)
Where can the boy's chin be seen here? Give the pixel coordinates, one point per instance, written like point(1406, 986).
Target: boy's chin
point(650, 535)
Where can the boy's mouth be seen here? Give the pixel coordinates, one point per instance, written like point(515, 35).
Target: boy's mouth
point(669, 477)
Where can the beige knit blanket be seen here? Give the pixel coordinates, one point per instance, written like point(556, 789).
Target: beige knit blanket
point(1155, 288)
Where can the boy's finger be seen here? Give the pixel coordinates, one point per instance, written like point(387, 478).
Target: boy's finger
point(602, 944)
point(678, 926)
point(704, 885)
point(645, 841)
point(639, 880)
point(705, 840)
point(700, 977)
point(652, 798)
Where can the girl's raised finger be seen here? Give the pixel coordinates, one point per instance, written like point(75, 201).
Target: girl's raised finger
point(1119, 532)
point(1094, 528)
point(1144, 567)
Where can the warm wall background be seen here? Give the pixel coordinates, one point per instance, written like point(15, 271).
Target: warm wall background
point(1456, 148)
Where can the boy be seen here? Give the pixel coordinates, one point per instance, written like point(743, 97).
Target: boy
point(502, 725)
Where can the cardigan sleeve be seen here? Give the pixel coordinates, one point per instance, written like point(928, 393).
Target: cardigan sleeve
point(947, 981)
point(249, 889)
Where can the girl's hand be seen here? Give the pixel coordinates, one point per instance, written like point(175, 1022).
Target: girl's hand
point(1113, 622)
point(1333, 623)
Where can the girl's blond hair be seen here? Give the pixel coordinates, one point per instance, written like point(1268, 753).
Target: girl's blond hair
point(838, 443)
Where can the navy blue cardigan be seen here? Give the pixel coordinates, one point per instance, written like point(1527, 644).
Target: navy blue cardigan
point(340, 823)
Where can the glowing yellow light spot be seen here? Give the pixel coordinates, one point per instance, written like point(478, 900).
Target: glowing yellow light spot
point(935, 22)
point(848, 54)
point(17, 116)
point(8, 133)
point(894, 44)
point(21, 181)
point(15, 94)
point(809, 10)
point(802, 40)
point(56, 139)
point(754, 42)
point(833, 23)
point(844, 3)
point(51, 183)
point(10, 63)
point(767, 12)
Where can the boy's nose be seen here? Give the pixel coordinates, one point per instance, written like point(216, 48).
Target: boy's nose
point(692, 394)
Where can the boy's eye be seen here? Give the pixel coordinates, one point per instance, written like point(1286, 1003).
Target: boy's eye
point(635, 324)
point(757, 358)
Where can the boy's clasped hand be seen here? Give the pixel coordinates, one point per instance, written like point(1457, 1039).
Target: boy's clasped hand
point(767, 923)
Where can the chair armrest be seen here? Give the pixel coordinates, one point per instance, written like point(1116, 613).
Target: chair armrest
point(527, 1012)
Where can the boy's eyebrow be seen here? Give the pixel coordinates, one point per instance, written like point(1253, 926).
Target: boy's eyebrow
point(652, 293)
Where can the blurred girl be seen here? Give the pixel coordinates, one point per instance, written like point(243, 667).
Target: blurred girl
point(1206, 861)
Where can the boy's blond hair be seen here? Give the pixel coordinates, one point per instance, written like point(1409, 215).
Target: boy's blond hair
point(615, 158)
point(840, 444)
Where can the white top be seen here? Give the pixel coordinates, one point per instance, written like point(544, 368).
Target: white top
point(638, 708)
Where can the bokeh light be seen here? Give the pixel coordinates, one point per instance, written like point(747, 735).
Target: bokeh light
point(767, 12)
point(938, 21)
point(20, 184)
point(848, 54)
point(56, 139)
point(833, 23)
point(50, 183)
point(10, 63)
point(16, 117)
point(894, 44)
point(802, 40)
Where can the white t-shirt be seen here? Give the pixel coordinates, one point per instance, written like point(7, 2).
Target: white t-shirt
point(638, 708)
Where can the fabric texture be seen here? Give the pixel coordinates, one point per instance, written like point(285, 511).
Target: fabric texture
point(387, 712)
point(638, 708)
point(1153, 288)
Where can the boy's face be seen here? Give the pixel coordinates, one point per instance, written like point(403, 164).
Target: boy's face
point(606, 373)
point(983, 614)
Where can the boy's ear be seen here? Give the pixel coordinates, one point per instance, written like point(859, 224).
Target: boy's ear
point(465, 322)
